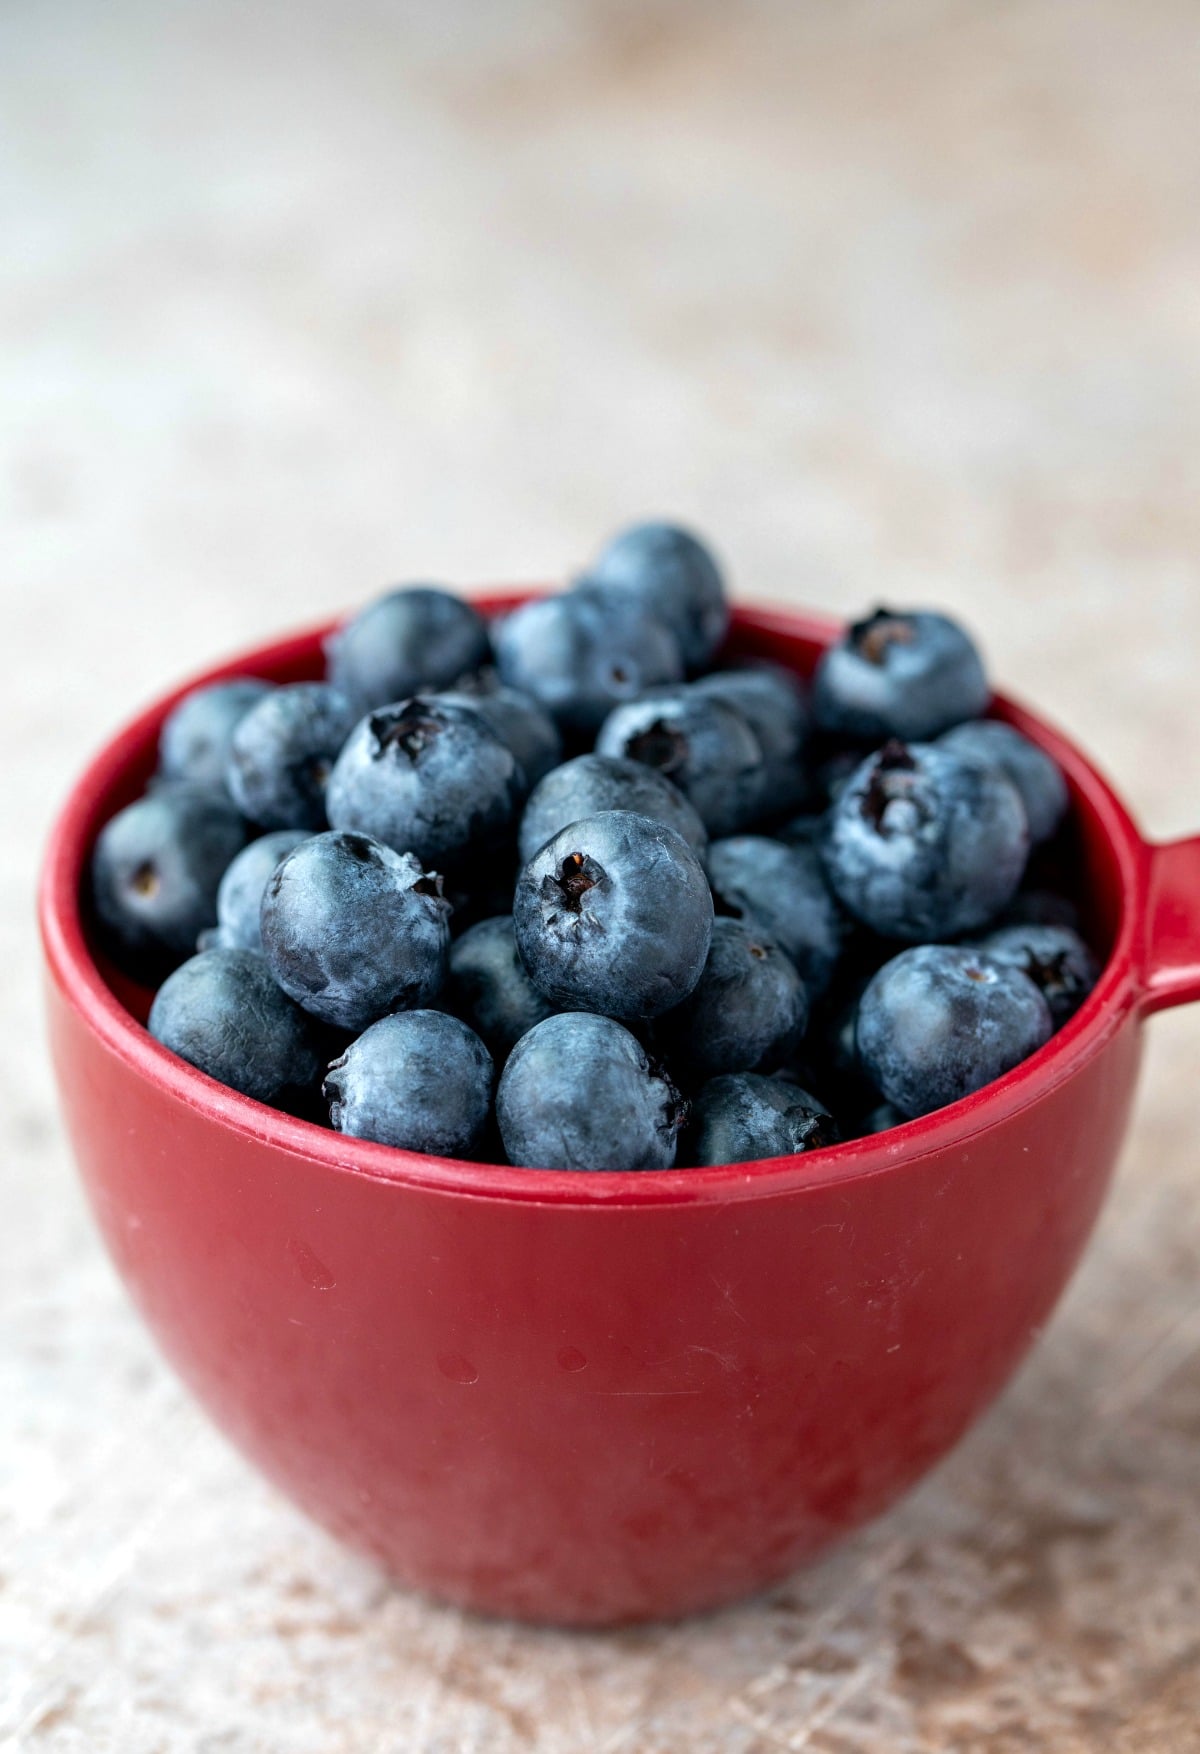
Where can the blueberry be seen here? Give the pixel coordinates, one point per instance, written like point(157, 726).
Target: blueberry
point(427, 776)
point(155, 872)
point(419, 1080)
point(222, 1012)
point(701, 743)
point(353, 930)
point(910, 675)
point(194, 742)
point(1040, 907)
point(746, 1014)
point(743, 1117)
point(925, 845)
point(1037, 777)
point(670, 572)
point(579, 1092)
point(591, 783)
point(578, 655)
point(614, 915)
point(530, 733)
point(489, 988)
point(413, 640)
point(783, 889)
point(772, 701)
point(881, 1119)
point(282, 752)
point(239, 897)
point(943, 1020)
point(805, 830)
point(1055, 958)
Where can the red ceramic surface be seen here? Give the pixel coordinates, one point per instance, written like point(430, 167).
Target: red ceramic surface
point(602, 1398)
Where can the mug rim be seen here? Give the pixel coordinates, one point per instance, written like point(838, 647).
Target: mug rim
point(83, 986)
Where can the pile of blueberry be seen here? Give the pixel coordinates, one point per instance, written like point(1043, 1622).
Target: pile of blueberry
point(558, 890)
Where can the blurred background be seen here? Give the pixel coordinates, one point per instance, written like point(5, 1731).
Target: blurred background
point(894, 301)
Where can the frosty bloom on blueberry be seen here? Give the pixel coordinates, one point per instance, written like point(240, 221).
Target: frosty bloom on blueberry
point(923, 844)
point(427, 776)
point(352, 930)
point(596, 886)
point(907, 675)
point(614, 915)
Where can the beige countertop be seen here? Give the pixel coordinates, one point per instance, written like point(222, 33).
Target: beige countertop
point(897, 300)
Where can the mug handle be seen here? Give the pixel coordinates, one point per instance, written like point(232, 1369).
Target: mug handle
point(1171, 947)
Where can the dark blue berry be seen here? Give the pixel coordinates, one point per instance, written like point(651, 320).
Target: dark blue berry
point(530, 733)
point(746, 1014)
point(428, 776)
point(419, 1080)
point(222, 1012)
point(413, 640)
point(880, 1119)
point(1037, 777)
point(239, 898)
point(579, 1092)
point(1040, 907)
point(194, 742)
point(1055, 958)
point(489, 988)
point(772, 701)
point(353, 930)
point(910, 675)
point(669, 572)
point(580, 654)
point(782, 888)
point(940, 1021)
point(806, 830)
point(743, 1117)
point(702, 744)
point(282, 752)
point(155, 872)
point(592, 783)
point(925, 845)
point(614, 915)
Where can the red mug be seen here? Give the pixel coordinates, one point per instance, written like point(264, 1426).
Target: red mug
point(591, 1399)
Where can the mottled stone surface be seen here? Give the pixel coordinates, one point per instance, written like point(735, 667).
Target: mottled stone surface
point(900, 300)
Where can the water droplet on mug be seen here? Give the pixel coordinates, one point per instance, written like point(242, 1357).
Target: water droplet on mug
point(571, 1358)
point(456, 1367)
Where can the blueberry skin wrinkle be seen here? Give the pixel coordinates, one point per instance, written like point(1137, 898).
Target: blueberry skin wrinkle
point(908, 674)
point(579, 1092)
point(1036, 776)
point(222, 1012)
point(743, 1117)
point(592, 783)
point(426, 776)
point(923, 845)
point(281, 754)
point(1055, 958)
point(668, 571)
point(581, 653)
point(614, 915)
point(489, 988)
point(194, 742)
point(746, 1014)
point(240, 893)
point(418, 1080)
point(353, 930)
point(156, 869)
point(412, 640)
point(941, 1021)
point(701, 743)
point(784, 889)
